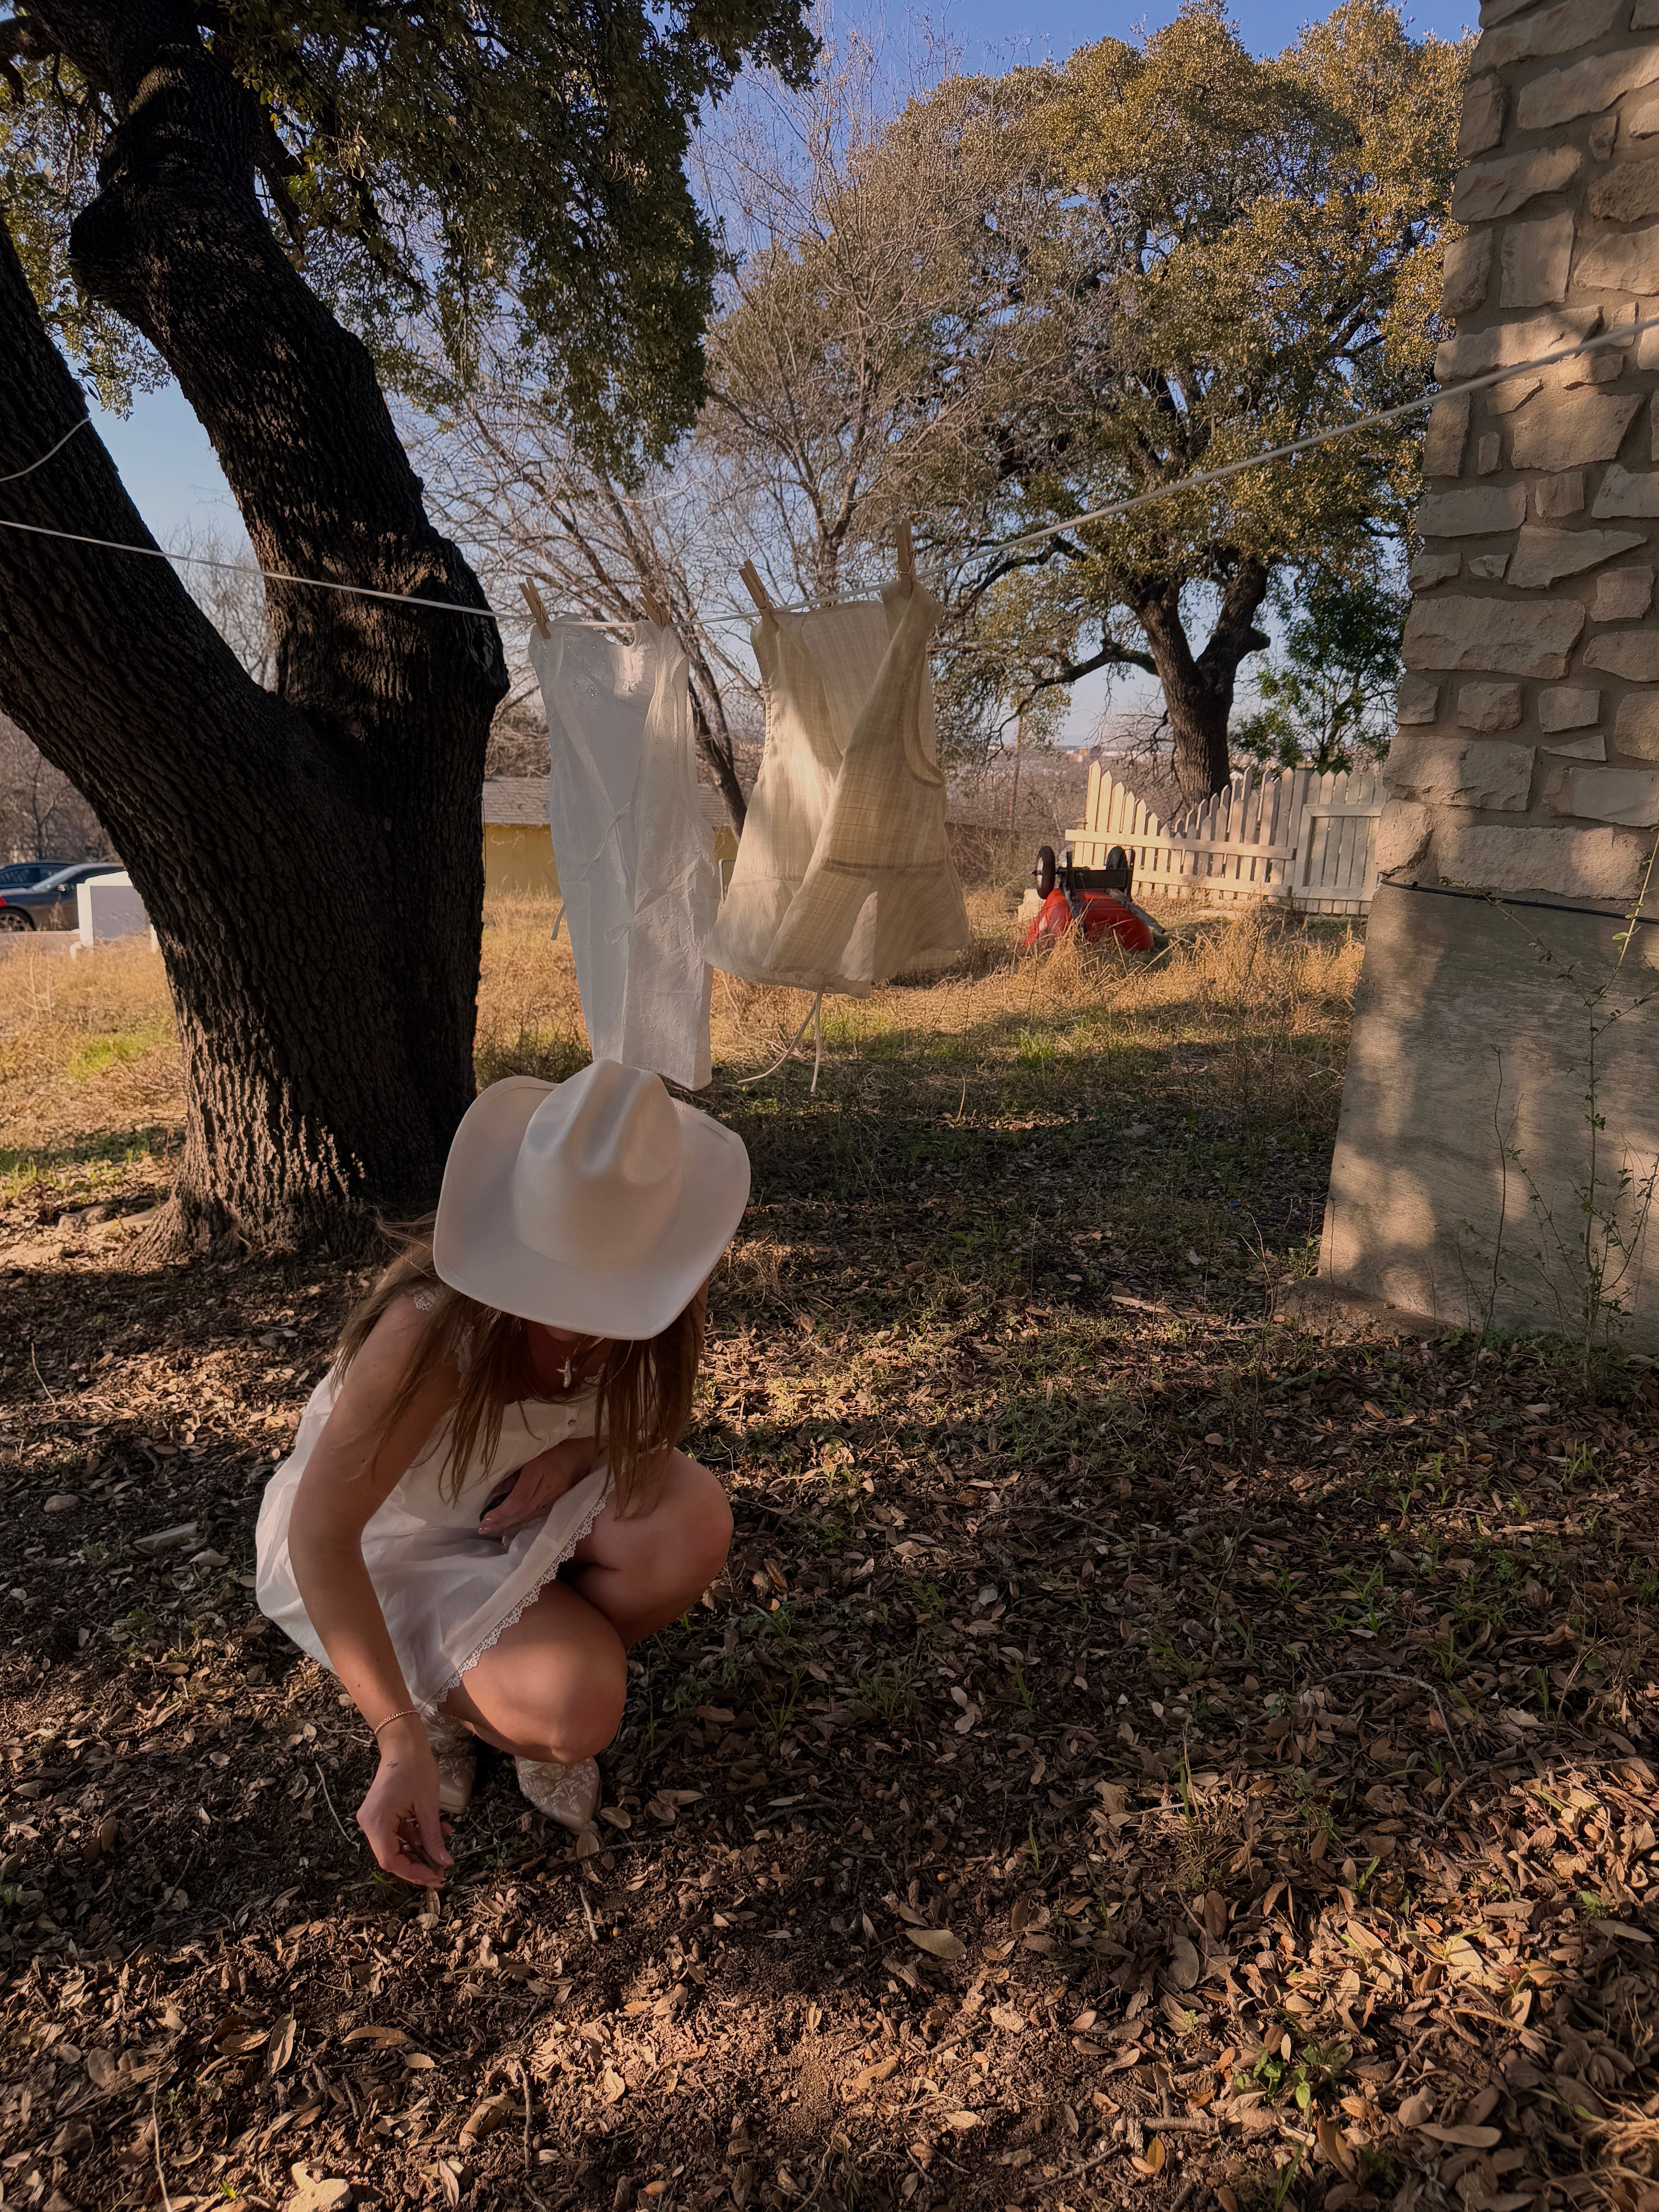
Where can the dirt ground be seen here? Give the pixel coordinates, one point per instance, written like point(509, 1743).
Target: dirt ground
point(1141, 1748)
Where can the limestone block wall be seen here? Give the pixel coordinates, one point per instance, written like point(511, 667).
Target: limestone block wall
point(1497, 1164)
point(1527, 757)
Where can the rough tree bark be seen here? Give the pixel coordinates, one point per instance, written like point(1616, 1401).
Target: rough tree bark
point(1198, 688)
point(312, 860)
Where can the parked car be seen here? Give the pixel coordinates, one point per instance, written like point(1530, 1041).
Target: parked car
point(51, 904)
point(19, 875)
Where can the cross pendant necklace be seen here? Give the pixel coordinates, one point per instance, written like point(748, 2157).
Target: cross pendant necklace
point(570, 1368)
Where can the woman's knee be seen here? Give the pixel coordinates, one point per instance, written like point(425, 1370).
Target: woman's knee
point(711, 1526)
point(580, 1707)
point(680, 1528)
point(703, 1521)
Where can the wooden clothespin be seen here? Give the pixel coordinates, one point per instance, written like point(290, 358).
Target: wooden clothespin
point(907, 557)
point(750, 576)
point(655, 612)
point(532, 599)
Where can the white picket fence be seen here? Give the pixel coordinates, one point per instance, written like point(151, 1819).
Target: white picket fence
point(1290, 836)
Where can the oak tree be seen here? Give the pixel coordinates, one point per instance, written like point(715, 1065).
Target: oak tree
point(1190, 256)
point(267, 196)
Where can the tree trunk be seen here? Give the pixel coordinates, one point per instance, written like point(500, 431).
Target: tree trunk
point(1198, 688)
point(312, 860)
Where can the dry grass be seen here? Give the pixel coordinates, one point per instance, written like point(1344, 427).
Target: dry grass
point(89, 1058)
point(1239, 1008)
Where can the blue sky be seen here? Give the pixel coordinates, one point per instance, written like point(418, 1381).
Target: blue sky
point(170, 469)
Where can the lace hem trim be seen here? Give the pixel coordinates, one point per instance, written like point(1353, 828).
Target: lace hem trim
point(577, 1535)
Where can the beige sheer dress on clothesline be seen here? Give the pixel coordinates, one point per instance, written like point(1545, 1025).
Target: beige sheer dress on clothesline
point(843, 877)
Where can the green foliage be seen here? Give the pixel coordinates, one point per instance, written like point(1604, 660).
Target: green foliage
point(49, 141)
point(1328, 698)
point(1194, 255)
point(1315, 2069)
point(440, 165)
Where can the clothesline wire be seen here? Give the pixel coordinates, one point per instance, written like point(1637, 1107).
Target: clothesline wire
point(17, 474)
point(240, 568)
point(1621, 334)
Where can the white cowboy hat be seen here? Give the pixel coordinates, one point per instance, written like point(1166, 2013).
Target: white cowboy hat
point(598, 1205)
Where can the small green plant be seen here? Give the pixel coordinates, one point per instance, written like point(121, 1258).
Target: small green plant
point(1286, 2176)
point(1169, 1659)
point(1361, 1881)
point(1313, 2071)
point(143, 1629)
point(887, 1689)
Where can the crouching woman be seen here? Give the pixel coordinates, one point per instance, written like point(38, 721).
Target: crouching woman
point(485, 1504)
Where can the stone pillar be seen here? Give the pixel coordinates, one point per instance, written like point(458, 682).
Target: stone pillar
point(1505, 1075)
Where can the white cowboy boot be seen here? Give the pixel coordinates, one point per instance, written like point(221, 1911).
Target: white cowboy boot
point(458, 1761)
point(569, 1795)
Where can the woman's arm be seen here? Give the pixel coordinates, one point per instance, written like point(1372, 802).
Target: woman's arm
point(345, 1481)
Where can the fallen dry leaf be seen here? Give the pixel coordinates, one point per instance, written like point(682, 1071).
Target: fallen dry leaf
point(1335, 2150)
point(938, 1942)
point(485, 2118)
point(280, 2047)
point(870, 2075)
point(1185, 1965)
point(316, 2192)
point(1152, 2161)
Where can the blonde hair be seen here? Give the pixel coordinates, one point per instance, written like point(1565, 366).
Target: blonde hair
point(645, 1387)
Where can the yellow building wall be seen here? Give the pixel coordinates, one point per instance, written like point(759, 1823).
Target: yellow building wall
point(517, 858)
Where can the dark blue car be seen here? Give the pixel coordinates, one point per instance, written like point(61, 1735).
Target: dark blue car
point(19, 875)
point(49, 902)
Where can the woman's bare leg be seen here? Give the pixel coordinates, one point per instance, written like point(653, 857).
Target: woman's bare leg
point(553, 1687)
point(645, 1570)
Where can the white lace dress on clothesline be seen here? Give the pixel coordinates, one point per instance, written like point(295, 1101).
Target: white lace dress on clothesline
point(447, 1592)
point(636, 858)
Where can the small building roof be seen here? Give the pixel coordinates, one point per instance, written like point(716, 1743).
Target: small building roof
point(515, 799)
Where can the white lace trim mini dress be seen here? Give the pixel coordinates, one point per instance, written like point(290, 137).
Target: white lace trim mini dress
point(445, 1591)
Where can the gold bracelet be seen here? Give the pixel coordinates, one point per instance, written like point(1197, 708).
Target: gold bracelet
point(408, 1712)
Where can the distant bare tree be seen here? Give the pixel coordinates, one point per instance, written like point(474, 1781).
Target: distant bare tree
point(820, 356)
point(503, 471)
point(518, 741)
point(229, 589)
point(823, 363)
point(42, 816)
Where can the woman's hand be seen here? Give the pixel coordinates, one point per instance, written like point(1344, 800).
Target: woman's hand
point(541, 1482)
point(400, 1814)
